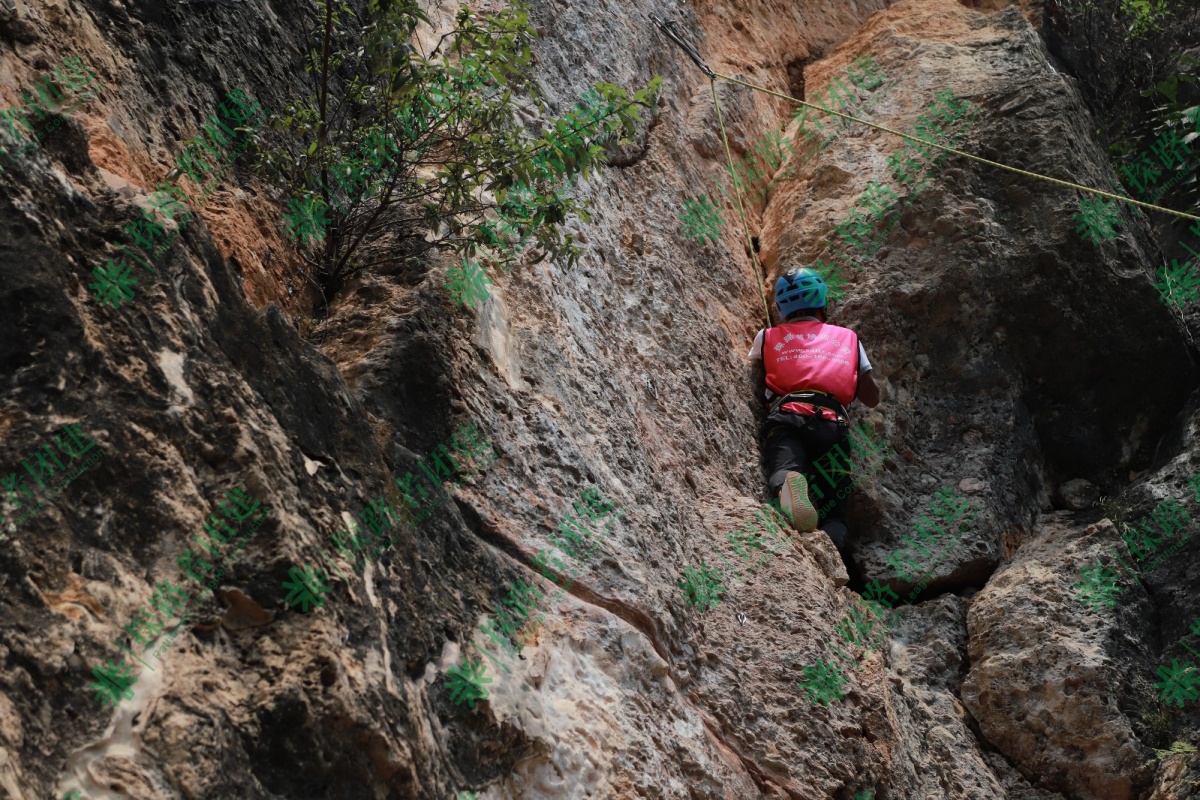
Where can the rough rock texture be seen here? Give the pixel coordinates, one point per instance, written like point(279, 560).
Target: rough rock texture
point(1015, 396)
point(627, 373)
point(927, 662)
point(1069, 693)
point(1056, 686)
point(1077, 495)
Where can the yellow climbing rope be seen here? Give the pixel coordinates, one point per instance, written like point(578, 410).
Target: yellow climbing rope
point(758, 270)
point(761, 274)
point(672, 32)
point(1039, 176)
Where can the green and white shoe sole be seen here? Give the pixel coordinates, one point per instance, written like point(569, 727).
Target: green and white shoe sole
point(793, 498)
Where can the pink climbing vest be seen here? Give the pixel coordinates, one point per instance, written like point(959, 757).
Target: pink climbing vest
point(811, 356)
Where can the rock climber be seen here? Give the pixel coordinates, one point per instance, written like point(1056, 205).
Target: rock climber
point(812, 372)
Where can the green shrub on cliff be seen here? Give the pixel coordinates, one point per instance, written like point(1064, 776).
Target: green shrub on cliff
point(1138, 18)
point(1145, 16)
point(1176, 748)
point(1117, 49)
point(1177, 117)
point(395, 151)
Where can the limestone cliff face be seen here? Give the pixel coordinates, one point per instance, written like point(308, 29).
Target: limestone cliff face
point(1013, 355)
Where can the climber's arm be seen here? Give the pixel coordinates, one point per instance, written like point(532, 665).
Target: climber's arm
point(868, 390)
point(759, 377)
point(758, 370)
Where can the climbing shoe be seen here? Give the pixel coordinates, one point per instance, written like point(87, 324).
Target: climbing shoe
point(793, 499)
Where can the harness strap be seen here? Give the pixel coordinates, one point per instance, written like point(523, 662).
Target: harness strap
point(813, 398)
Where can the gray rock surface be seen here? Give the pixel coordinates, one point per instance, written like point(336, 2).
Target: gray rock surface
point(1078, 494)
point(627, 373)
point(1058, 687)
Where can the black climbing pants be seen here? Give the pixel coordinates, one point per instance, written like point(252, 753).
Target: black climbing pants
point(799, 443)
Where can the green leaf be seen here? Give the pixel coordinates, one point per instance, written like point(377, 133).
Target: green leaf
point(396, 115)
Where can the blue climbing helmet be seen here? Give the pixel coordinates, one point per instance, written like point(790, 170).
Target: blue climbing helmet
point(798, 289)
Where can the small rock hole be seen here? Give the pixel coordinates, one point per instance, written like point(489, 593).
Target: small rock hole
point(328, 676)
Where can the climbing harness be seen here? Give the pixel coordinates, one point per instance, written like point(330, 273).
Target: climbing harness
point(813, 398)
point(671, 30)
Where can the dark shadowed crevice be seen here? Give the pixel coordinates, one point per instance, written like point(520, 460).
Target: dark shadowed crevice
point(482, 749)
point(795, 72)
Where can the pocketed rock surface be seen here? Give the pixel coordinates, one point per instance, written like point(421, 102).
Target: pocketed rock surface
point(1061, 688)
point(626, 373)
